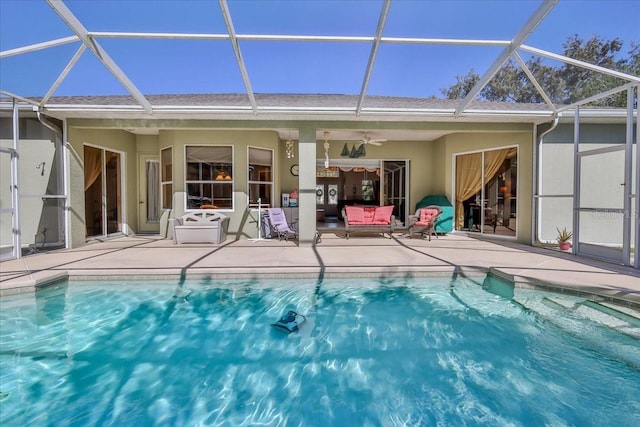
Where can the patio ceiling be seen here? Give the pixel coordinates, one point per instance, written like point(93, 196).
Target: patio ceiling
point(372, 47)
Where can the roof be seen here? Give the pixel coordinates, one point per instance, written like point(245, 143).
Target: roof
point(383, 36)
point(381, 32)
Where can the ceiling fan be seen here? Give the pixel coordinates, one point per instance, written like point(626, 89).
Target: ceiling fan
point(366, 139)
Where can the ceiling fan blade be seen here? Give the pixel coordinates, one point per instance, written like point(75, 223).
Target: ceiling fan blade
point(377, 142)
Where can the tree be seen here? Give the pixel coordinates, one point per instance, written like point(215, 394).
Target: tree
point(463, 86)
point(563, 84)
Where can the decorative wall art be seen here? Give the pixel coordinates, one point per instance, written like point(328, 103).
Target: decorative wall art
point(354, 153)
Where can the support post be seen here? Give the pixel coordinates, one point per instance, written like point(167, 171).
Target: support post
point(307, 186)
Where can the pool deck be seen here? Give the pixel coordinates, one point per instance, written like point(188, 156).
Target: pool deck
point(361, 256)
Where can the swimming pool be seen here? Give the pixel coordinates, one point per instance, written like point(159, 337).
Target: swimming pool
point(371, 352)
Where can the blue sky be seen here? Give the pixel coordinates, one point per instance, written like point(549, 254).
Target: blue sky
point(189, 66)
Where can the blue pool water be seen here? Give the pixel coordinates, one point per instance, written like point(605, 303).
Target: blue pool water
point(416, 352)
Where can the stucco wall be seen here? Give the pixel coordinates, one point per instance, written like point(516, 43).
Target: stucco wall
point(431, 167)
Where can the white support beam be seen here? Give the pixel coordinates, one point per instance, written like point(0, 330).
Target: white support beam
point(535, 83)
point(531, 24)
point(236, 49)
point(18, 97)
point(596, 97)
point(637, 183)
point(372, 55)
point(445, 42)
point(63, 74)
point(151, 36)
point(581, 64)
point(76, 26)
point(38, 46)
point(299, 38)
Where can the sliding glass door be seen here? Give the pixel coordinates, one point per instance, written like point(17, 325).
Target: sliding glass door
point(486, 191)
point(102, 191)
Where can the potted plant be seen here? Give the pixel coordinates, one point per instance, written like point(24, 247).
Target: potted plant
point(563, 238)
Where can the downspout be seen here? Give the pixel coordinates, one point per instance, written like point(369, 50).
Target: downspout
point(537, 174)
point(42, 119)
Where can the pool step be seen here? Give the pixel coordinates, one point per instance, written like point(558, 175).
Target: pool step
point(622, 319)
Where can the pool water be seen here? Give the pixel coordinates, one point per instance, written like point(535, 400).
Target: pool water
point(415, 352)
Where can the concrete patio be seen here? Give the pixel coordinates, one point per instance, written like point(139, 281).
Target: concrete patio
point(142, 257)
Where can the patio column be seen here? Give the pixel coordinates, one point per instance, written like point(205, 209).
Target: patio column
point(307, 185)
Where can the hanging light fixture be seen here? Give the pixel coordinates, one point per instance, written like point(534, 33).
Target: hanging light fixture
point(289, 144)
point(326, 150)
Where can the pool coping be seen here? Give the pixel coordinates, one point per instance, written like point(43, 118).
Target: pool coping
point(45, 279)
point(151, 257)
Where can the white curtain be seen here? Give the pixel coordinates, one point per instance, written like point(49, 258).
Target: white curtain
point(153, 191)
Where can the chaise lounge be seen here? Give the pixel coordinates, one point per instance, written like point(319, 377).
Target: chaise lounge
point(377, 219)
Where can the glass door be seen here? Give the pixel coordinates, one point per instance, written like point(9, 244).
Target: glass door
point(103, 191)
point(395, 187)
point(487, 191)
point(8, 238)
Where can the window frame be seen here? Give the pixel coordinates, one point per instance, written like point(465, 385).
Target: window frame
point(270, 183)
point(213, 181)
point(166, 204)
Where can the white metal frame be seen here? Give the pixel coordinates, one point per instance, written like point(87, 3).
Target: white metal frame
point(90, 41)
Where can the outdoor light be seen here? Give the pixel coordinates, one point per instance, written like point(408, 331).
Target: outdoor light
point(326, 150)
point(289, 147)
point(41, 166)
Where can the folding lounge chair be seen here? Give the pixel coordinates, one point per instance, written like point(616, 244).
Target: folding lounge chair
point(279, 225)
point(424, 220)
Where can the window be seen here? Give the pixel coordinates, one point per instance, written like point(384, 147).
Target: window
point(166, 178)
point(209, 177)
point(260, 176)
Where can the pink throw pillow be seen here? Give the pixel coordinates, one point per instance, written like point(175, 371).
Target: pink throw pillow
point(383, 215)
point(368, 215)
point(427, 214)
point(355, 215)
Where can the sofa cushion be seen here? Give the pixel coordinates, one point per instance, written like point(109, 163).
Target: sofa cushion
point(369, 213)
point(355, 215)
point(426, 216)
point(382, 215)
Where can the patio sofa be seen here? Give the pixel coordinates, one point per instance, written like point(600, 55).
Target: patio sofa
point(377, 219)
point(200, 227)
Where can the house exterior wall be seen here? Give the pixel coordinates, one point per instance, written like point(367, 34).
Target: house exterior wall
point(431, 166)
point(240, 225)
